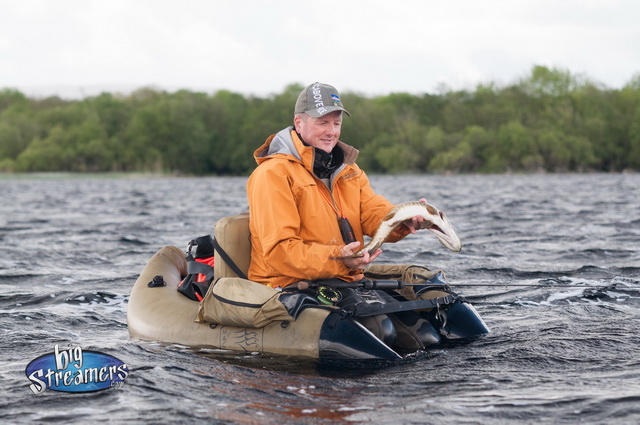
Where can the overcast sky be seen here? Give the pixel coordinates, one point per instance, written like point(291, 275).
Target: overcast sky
point(76, 47)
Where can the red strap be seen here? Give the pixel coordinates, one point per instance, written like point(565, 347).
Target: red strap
point(209, 261)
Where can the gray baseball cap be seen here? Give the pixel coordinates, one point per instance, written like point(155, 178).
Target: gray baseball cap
point(318, 99)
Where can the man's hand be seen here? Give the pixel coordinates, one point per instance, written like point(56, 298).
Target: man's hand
point(417, 222)
point(357, 262)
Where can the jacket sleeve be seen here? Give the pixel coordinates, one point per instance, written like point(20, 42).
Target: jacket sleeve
point(276, 227)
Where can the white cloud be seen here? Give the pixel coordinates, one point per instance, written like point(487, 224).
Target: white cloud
point(258, 47)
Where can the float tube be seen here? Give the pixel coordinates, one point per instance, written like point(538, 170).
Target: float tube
point(158, 312)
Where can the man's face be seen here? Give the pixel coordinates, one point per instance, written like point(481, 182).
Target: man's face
point(322, 133)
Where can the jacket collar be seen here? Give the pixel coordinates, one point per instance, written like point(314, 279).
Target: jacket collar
point(287, 143)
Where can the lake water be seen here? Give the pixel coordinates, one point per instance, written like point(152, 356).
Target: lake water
point(564, 350)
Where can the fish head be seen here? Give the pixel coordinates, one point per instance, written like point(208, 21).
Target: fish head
point(441, 227)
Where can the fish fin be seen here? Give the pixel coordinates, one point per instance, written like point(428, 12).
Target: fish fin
point(388, 216)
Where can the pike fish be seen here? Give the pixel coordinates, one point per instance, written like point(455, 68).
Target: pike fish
point(434, 220)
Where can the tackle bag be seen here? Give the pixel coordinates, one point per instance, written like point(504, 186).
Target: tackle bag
point(233, 301)
point(199, 269)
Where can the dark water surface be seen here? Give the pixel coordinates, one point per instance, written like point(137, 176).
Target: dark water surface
point(563, 351)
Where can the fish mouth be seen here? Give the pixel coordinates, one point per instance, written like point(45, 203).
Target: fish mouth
point(449, 238)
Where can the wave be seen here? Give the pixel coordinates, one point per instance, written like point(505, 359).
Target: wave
point(552, 276)
point(89, 298)
point(598, 253)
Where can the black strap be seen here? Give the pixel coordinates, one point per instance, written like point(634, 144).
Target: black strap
point(362, 283)
point(196, 267)
point(228, 260)
point(364, 309)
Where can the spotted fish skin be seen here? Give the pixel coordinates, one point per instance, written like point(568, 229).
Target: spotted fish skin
point(434, 220)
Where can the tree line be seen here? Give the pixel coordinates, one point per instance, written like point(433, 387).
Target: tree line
point(550, 121)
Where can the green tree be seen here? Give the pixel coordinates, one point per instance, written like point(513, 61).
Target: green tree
point(516, 147)
point(554, 149)
point(551, 82)
point(634, 144)
point(45, 154)
point(550, 119)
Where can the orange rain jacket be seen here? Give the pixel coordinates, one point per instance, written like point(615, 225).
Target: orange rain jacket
point(294, 229)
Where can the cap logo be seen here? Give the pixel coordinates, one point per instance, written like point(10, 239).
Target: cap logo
point(317, 99)
point(336, 100)
point(317, 96)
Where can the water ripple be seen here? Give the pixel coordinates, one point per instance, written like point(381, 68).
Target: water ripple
point(563, 347)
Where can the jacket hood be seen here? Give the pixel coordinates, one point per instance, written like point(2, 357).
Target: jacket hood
point(280, 143)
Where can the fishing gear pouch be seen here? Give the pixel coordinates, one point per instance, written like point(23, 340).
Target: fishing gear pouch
point(411, 275)
point(233, 301)
point(199, 269)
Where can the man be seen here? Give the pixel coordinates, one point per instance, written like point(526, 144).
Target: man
point(309, 202)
